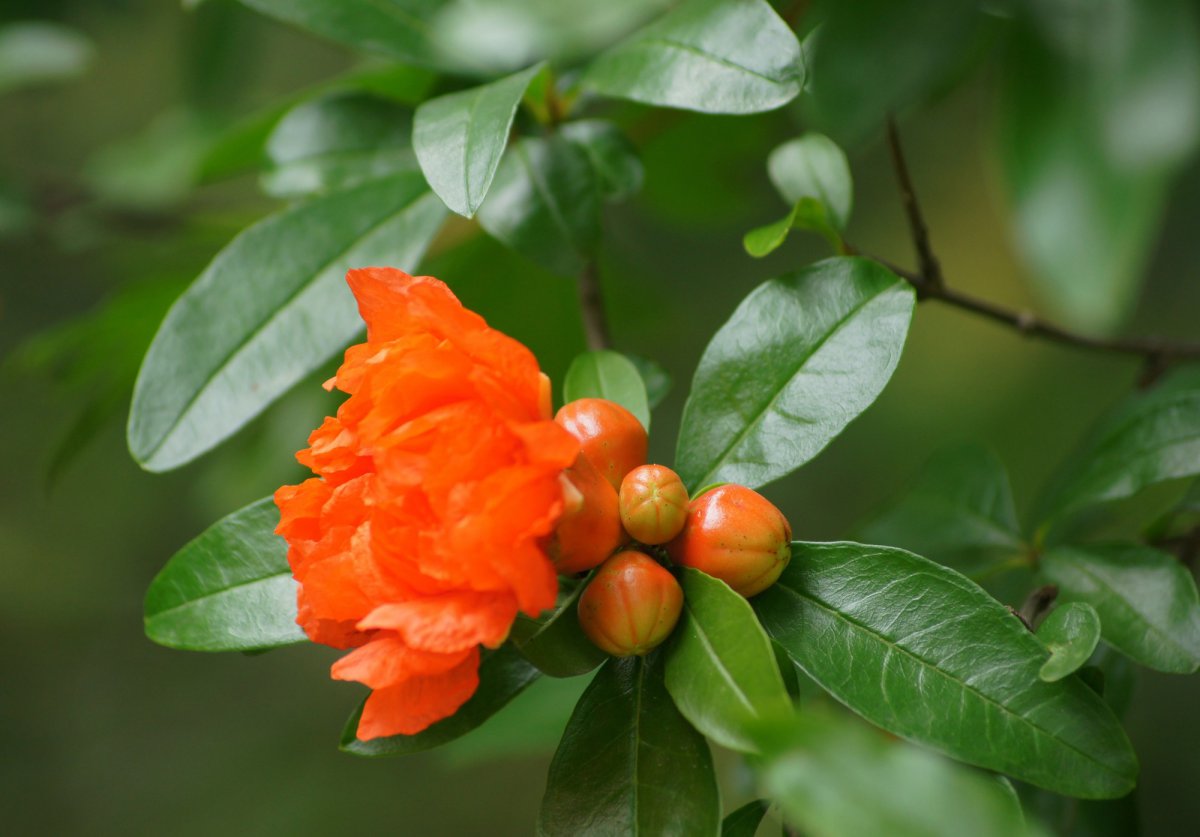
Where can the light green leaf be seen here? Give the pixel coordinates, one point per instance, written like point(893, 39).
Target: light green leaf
point(1146, 599)
point(613, 157)
point(503, 674)
point(555, 642)
point(336, 141)
point(765, 240)
point(813, 166)
point(721, 669)
point(268, 310)
point(629, 763)
point(798, 360)
point(831, 775)
point(545, 204)
point(230, 589)
point(39, 52)
point(460, 137)
point(611, 375)
point(1071, 632)
point(926, 654)
point(808, 214)
point(744, 821)
point(714, 56)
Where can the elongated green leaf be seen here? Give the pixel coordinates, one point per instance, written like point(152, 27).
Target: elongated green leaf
point(721, 669)
point(545, 204)
point(1071, 632)
point(38, 52)
point(744, 821)
point(798, 360)
point(812, 166)
point(555, 643)
point(714, 56)
point(831, 775)
point(1147, 600)
point(336, 141)
point(228, 590)
point(503, 674)
point(629, 763)
point(1150, 437)
point(618, 170)
point(958, 509)
point(924, 653)
point(459, 138)
point(269, 309)
point(398, 29)
point(611, 375)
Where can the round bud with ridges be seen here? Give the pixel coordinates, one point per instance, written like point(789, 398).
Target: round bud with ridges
point(631, 605)
point(610, 436)
point(589, 529)
point(654, 504)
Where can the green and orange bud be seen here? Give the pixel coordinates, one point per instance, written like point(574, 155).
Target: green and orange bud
point(590, 527)
point(654, 504)
point(735, 534)
point(631, 605)
point(610, 436)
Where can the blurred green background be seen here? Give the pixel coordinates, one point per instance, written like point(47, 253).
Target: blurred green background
point(102, 732)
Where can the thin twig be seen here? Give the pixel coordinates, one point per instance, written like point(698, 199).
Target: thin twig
point(930, 270)
point(591, 301)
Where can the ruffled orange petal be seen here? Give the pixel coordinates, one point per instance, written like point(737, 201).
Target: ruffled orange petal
point(411, 706)
point(386, 661)
point(449, 622)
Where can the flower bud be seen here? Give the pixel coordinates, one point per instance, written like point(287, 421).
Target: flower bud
point(735, 534)
point(610, 436)
point(590, 527)
point(654, 504)
point(631, 605)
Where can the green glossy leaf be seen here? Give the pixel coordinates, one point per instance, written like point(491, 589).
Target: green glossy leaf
point(545, 204)
point(39, 52)
point(813, 166)
point(1071, 632)
point(1151, 437)
point(958, 509)
point(765, 240)
point(611, 375)
point(268, 310)
point(721, 669)
point(831, 775)
point(926, 654)
point(503, 674)
point(618, 168)
point(555, 642)
point(808, 214)
point(629, 763)
point(336, 141)
point(230, 589)
point(744, 821)
point(1147, 600)
point(798, 360)
point(713, 56)
point(657, 380)
point(397, 29)
point(460, 137)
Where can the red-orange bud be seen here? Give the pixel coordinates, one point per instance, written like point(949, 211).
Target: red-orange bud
point(610, 436)
point(654, 504)
point(631, 605)
point(735, 534)
point(590, 527)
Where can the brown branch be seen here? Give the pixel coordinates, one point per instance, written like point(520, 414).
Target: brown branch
point(591, 302)
point(1157, 353)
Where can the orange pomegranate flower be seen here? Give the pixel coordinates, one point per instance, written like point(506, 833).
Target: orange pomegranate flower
point(420, 538)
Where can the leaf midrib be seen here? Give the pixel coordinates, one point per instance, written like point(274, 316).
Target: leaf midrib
point(186, 603)
point(726, 675)
point(671, 43)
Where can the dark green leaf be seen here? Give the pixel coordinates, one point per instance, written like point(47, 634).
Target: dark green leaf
point(1146, 599)
point(336, 141)
point(1118, 676)
point(268, 310)
point(813, 166)
point(228, 590)
point(721, 670)
point(714, 56)
point(545, 204)
point(798, 360)
point(396, 29)
point(615, 160)
point(37, 52)
point(629, 763)
point(503, 674)
point(831, 775)
point(959, 509)
point(611, 375)
point(658, 382)
point(744, 821)
point(1151, 437)
point(924, 653)
point(555, 643)
point(460, 137)
point(1071, 632)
